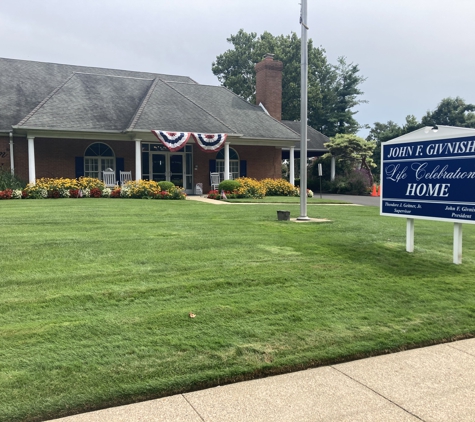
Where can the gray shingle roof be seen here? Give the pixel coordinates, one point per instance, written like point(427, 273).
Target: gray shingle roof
point(316, 139)
point(24, 84)
point(90, 102)
point(167, 109)
point(55, 96)
point(244, 118)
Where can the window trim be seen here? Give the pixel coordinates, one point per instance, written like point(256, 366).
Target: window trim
point(99, 159)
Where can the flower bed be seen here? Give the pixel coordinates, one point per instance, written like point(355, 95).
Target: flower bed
point(252, 188)
point(87, 187)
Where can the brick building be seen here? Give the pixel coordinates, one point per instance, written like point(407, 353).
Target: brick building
point(70, 121)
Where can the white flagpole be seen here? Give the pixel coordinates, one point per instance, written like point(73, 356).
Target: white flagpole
point(303, 112)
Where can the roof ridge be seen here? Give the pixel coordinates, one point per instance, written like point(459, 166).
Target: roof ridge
point(45, 100)
point(197, 105)
point(142, 105)
point(152, 74)
point(308, 126)
point(105, 75)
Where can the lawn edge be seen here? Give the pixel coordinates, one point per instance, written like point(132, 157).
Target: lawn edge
point(247, 376)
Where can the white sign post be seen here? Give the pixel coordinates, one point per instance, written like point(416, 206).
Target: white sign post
point(457, 243)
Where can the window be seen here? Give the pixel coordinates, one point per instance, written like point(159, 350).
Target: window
point(233, 163)
point(97, 158)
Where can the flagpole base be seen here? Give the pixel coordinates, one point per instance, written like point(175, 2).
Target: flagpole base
point(303, 218)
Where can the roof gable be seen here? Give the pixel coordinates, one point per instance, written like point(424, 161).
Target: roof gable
point(90, 102)
point(25, 84)
point(167, 109)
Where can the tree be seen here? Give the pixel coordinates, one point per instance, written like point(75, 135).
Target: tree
point(354, 151)
point(333, 90)
point(347, 90)
point(451, 112)
point(382, 132)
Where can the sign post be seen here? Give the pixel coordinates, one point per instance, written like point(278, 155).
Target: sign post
point(429, 174)
point(457, 243)
point(320, 173)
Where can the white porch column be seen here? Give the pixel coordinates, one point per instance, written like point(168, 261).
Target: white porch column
point(226, 161)
point(292, 166)
point(332, 177)
point(12, 161)
point(31, 160)
point(138, 159)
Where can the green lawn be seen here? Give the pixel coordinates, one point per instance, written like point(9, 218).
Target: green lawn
point(95, 296)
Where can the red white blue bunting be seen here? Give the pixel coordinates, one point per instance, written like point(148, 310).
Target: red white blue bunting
point(172, 140)
point(210, 142)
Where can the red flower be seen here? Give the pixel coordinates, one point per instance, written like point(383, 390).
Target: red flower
point(96, 193)
point(115, 193)
point(6, 194)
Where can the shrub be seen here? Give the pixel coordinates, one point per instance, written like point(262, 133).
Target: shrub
point(354, 183)
point(228, 185)
point(164, 185)
point(250, 188)
point(279, 187)
point(176, 193)
point(34, 192)
point(9, 181)
point(358, 181)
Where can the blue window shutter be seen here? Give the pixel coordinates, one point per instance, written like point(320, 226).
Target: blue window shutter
point(243, 168)
point(212, 166)
point(79, 165)
point(119, 163)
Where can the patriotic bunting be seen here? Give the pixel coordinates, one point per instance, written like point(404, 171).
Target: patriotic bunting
point(172, 140)
point(210, 142)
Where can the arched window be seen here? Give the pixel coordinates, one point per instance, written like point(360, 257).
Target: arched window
point(233, 163)
point(97, 158)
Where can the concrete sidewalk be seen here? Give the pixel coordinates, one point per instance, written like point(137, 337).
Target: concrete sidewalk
point(354, 199)
point(435, 383)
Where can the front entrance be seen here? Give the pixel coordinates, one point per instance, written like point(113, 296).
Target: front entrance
point(167, 166)
point(159, 164)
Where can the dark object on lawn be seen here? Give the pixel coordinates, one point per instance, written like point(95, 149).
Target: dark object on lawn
point(283, 215)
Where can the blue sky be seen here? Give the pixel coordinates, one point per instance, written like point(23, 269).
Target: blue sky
point(413, 53)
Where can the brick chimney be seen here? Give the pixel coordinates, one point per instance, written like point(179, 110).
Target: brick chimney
point(269, 85)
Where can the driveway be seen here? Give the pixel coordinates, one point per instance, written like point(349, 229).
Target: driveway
point(372, 201)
